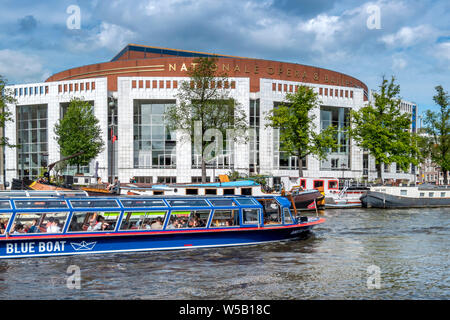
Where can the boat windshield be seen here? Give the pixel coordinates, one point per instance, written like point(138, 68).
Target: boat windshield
point(40, 204)
point(187, 203)
point(142, 203)
point(94, 204)
point(245, 201)
point(222, 202)
point(5, 205)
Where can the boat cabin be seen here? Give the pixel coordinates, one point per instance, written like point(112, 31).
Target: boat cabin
point(37, 217)
point(326, 185)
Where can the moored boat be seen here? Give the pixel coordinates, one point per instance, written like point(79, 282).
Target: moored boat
point(32, 227)
point(336, 195)
point(406, 197)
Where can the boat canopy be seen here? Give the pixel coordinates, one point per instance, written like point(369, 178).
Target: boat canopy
point(124, 214)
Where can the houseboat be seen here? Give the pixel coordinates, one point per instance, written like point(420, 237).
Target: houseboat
point(303, 199)
point(336, 196)
point(406, 197)
point(36, 227)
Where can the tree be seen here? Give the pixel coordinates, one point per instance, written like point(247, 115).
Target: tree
point(437, 128)
point(298, 136)
point(384, 130)
point(79, 131)
point(6, 97)
point(205, 110)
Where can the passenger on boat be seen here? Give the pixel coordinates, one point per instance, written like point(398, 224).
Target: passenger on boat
point(3, 225)
point(98, 225)
point(49, 223)
point(34, 228)
point(115, 187)
point(157, 224)
point(74, 226)
point(54, 227)
point(18, 228)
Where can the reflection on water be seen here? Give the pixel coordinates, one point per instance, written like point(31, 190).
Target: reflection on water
point(410, 248)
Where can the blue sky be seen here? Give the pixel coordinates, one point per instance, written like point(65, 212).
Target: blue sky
point(411, 41)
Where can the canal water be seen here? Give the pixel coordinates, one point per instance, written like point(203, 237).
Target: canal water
point(356, 254)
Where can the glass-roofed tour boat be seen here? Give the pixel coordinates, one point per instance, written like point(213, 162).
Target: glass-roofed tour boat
point(52, 226)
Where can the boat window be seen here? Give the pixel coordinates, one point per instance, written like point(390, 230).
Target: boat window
point(38, 222)
point(188, 219)
point(222, 202)
point(303, 183)
point(147, 220)
point(40, 204)
point(245, 202)
point(191, 191)
point(422, 194)
point(332, 184)
point(187, 203)
point(250, 216)
point(246, 191)
point(4, 219)
point(5, 205)
point(442, 194)
point(210, 191)
point(94, 203)
point(225, 218)
point(228, 191)
point(93, 221)
point(271, 211)
point(287, 216)
point(317, 184)
point(403, 192)
point(142, 203)
point(431, 194)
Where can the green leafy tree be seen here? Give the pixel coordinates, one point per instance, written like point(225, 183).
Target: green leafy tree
point(383, 130)
point(79, 131)
point(205, 103)
point(437, 130)
point(298, 134)
point(6, 97)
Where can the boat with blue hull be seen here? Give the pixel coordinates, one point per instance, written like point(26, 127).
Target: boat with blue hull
point(34, 227)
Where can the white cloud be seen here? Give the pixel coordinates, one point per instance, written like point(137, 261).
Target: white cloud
point(113, 36)
point(442, 51)
point(398, 62)
point(409, 36)
point(17, 66)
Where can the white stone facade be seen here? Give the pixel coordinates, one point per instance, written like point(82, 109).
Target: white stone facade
point(55, 93)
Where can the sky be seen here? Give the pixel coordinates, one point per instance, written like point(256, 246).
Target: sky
point(409, 40)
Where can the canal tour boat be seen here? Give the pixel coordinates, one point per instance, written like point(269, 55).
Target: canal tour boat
point(36, 227)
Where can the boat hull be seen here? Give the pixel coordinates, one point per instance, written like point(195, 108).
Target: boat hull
point(305, 200)
point(374, 199)
point(35, 246)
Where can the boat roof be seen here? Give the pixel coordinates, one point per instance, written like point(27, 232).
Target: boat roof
point(132, 202)
point(42, 193)
point(230, 184)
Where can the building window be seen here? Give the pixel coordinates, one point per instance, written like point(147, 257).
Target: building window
point(167, 180)
point(72, 169)
point(32, 138)
point(154, 144)
point(338, 158)
point(255, 121)
point(281, 159)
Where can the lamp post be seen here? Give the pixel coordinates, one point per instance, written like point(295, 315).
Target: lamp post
point(112, 107)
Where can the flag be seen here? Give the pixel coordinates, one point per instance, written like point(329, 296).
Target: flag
point(113, 137)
